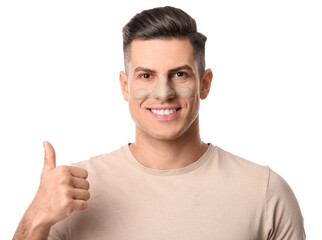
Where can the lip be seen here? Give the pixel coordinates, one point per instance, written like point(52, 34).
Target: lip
point(160, 107)
point(165, 117)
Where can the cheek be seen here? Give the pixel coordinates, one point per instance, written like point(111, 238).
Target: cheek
point(141, 94)
point(133, 110)
point(184, 92)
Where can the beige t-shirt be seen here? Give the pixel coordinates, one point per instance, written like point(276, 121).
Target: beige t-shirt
point(220, 196)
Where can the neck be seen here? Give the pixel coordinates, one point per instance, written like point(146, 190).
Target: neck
point(169, 154)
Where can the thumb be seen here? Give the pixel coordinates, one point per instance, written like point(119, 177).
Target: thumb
point(50, 157)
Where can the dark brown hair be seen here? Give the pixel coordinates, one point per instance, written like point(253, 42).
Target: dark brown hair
point(165, 23)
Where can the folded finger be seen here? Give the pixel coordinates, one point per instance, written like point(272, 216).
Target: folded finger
point(78, 172)
point(80, 194)
point(80, 183)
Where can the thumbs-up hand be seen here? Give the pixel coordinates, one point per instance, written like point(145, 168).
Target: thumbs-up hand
point(62, 190)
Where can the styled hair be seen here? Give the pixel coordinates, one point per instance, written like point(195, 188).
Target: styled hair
point(165, 23)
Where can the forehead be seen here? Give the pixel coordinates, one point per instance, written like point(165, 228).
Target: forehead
point(161, 54)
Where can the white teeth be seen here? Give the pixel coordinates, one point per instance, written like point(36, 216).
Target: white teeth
point(163, 111)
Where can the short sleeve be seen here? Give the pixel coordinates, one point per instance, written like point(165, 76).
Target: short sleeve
point(283, 217)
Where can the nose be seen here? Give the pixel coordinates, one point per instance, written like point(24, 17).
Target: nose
point(164, 90)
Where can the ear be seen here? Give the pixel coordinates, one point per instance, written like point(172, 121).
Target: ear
point(124, 85)
point(205, 83)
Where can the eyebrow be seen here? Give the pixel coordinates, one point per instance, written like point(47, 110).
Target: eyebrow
point(143, 69)
point(184, 67)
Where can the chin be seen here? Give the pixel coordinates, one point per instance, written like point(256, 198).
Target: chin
point(166, 136)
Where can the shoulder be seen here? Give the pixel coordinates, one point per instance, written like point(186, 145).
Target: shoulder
point(280, 198)
point(104, 161)
point(277, 187)
point(239, 167)
point(235, 160)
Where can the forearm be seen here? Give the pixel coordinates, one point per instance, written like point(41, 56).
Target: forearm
point(31, 228)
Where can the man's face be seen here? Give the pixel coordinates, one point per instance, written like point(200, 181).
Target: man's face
point(163, 87)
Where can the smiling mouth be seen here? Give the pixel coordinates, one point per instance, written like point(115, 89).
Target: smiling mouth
point(164, 112)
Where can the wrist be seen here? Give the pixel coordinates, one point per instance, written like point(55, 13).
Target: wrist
point(30, 227)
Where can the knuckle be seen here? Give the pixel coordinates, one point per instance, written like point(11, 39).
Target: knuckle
point(66, 193)
point(62, 169)
point(64, 180)
point(68, 204)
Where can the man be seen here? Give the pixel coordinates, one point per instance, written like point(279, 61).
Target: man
point(168, 184)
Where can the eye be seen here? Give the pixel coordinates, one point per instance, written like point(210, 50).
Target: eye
point(145, 75)
point(181, 75)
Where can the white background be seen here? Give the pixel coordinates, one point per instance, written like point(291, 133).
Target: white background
point(59, 69)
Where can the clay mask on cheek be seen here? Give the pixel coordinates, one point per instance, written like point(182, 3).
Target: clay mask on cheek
point(141, 94)
point(184, 92)
point(163, 90)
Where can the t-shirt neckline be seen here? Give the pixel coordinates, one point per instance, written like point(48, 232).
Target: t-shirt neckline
point(169, 172)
